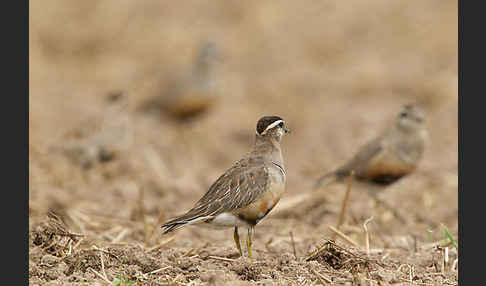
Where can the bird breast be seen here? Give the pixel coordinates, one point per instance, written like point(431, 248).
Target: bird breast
point(257, 210)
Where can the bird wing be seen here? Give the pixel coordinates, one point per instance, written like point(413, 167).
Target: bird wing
point(238, 187)
point(362, 158)
point(358, 163)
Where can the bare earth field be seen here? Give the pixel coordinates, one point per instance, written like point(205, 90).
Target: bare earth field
point(336, 71)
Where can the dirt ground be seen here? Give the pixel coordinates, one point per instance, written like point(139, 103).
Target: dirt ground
point(336, 71)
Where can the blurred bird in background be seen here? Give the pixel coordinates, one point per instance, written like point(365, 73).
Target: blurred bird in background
point(394, 154)
point(194, 93)
point(99, 140)
point(390, 156)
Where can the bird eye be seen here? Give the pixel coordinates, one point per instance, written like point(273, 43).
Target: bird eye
point(403, 114)
point(280, 124)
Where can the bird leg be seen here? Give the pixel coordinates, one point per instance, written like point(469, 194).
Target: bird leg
point(237, 240)
point(249, 241)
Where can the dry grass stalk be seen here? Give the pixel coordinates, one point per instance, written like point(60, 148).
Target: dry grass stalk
point(345, 202)
point(443, 263)
point(103, 266)
point(142, 212)
point(159, 221)
point(101, 276)
point(410, 276)
point(120, 235)
point(367, 236)
point(158, 270)
point(77, 220)
point(343, 236)
point(77, 243)
point(441, 243)
point(293, 244)
point(70, 247)
point(105, 252)
point(164, 242)
point(415, 283)
point(189, 252)
point(412, 272)
point(174, 281)
point(290, 203)
point(222, 258)
point(195, 251)
point(446, 257)
point(385, 256)
point(454, 264)
point(322, 277)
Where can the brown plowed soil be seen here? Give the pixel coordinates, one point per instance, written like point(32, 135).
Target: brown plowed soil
point(104, 174)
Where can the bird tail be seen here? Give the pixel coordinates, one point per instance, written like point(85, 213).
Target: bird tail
point(171, 227)
point(181, 221)
point(325, 180)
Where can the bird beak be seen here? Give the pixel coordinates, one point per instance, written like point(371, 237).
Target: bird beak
point(286, 130)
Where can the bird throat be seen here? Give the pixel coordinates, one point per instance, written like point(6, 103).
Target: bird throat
point(269, 147)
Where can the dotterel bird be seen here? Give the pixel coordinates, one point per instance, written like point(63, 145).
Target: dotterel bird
point(389, 157)
point(193, 93)
point(99, 140)
point(246, 192)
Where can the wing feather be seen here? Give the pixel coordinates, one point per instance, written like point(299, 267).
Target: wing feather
point(362, 158)
point(238, 187)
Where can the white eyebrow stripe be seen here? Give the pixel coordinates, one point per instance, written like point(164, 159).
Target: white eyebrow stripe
point(271, 126)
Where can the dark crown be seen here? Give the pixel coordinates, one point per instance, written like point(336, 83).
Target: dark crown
point(265, 121)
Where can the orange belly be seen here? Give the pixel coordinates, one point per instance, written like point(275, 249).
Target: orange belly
point(386, 169)
point(257, 210)
point(191, 105)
